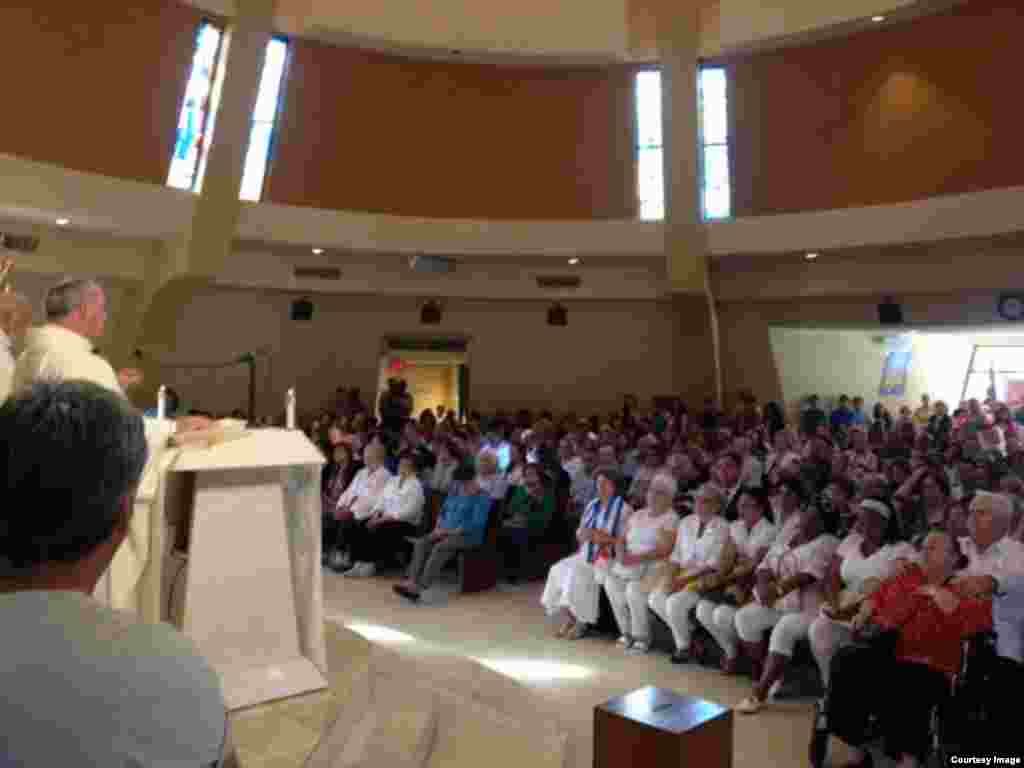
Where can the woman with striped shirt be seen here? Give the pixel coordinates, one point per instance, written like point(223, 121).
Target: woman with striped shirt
point(573, 585)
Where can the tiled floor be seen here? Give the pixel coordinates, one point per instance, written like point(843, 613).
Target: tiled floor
point(506, 630)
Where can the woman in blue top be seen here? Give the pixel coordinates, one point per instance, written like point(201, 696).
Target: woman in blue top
point(462, 525)
point(574, 584)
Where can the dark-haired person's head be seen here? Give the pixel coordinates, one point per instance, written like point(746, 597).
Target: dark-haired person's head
point(754, 504)
point(70, 464)
point(609, 482)
point(465, 476)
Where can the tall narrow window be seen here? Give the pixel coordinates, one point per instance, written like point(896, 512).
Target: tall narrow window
point(264, 118)
point(716, 196)
point(198, 110)
point(650, 168)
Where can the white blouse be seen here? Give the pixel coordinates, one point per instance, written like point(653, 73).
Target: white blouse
point(750, 541)
point(812, 558)
point(856, 568)
point(693, 553)
point(364, 491)
point(402, 500)
point(645, 529)
point(1003, 558)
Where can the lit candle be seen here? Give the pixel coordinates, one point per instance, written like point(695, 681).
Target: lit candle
point(161, 403)
point(289, 409)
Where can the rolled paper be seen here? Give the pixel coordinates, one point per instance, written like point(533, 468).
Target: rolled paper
point(289, 409)
point(161, 403)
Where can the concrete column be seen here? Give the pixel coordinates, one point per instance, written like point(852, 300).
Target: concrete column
point(192, 260)
point(686, 246)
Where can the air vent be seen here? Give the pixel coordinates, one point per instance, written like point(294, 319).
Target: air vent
point(20, 243)
point(318, 273)
point(559, 282)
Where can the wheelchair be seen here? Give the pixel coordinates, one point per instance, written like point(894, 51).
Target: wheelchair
point(976, 718)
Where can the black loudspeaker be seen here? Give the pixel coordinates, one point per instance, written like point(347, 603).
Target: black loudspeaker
point(431, 313)
point(558, 315)
point(302, 310)
point(890, 313)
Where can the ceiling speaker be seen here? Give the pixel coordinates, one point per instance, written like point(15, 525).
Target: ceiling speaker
point(430, 314)
point(558, 316)
point(432, 265)
point(890, 313)
point(302, 310)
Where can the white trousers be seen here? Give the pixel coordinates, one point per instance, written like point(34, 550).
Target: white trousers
point(576, 585)
point(629, 602)
point(720, 622)
point(675, 610)
point(827, 637)
point(787, 628)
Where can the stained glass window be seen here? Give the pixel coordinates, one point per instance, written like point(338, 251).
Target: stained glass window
point(195, 123)
point(264, 117)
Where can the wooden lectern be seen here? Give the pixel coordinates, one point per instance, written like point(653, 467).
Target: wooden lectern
point(245, 517)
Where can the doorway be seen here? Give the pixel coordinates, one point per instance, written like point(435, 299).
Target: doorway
point(435, 370)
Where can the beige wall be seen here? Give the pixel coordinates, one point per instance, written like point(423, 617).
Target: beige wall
point(430, 386)
point(515, 358)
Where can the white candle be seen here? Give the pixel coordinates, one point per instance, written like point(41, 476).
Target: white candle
point(289, 409)
point(161, 403)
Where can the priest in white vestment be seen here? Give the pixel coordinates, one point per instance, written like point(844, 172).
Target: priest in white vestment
point(62, 348)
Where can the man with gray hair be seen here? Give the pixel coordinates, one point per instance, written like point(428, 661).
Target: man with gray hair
point(86, 685)
point(76, 315)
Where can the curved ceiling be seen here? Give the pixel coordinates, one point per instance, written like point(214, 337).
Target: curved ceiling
point(569, 31)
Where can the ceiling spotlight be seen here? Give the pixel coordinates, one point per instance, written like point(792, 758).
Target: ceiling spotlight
point(878, 19)
point(811, 256)
point(317, 251)
point(62, 222)
point(574, 261)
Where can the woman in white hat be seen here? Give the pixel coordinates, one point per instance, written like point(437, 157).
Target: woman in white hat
point(650, 535)
point(865, 558)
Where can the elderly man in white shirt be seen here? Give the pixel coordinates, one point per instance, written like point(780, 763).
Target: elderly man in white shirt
point(76, 314)
point(15, 316)
point(357, 504)
point(396, 516)
point(701, 543)
point(995, 564)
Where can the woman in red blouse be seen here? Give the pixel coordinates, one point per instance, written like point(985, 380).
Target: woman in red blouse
point(932, 618)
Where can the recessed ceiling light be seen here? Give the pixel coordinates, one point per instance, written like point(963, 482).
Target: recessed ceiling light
point(811, 256)
point(878, 19)
point(62, 222)
point(574, 261)
point(317, 251)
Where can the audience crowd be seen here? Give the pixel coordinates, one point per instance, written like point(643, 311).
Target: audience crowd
point(748, 536)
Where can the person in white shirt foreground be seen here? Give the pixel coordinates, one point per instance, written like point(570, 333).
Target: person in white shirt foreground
point(76, 315)
point(395, 517)
point(86, 685)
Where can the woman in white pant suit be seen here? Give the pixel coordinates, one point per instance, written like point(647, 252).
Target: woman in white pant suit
point(702, 541)
point(574, 583)
point(788, 593)
point(753, 534)
point(642, 564)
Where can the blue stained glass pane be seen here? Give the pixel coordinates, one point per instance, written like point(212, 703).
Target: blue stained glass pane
point(195, 123)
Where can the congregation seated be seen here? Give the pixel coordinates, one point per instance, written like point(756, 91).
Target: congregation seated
point(461, 526)
point(395, 516)
point(357, 503)
point(86, 684)
point(788, 593)
point(642, 564)
point(527, 513)
point(573, 584)
point(703, 550)
point(753, 535)
point(930, 615)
